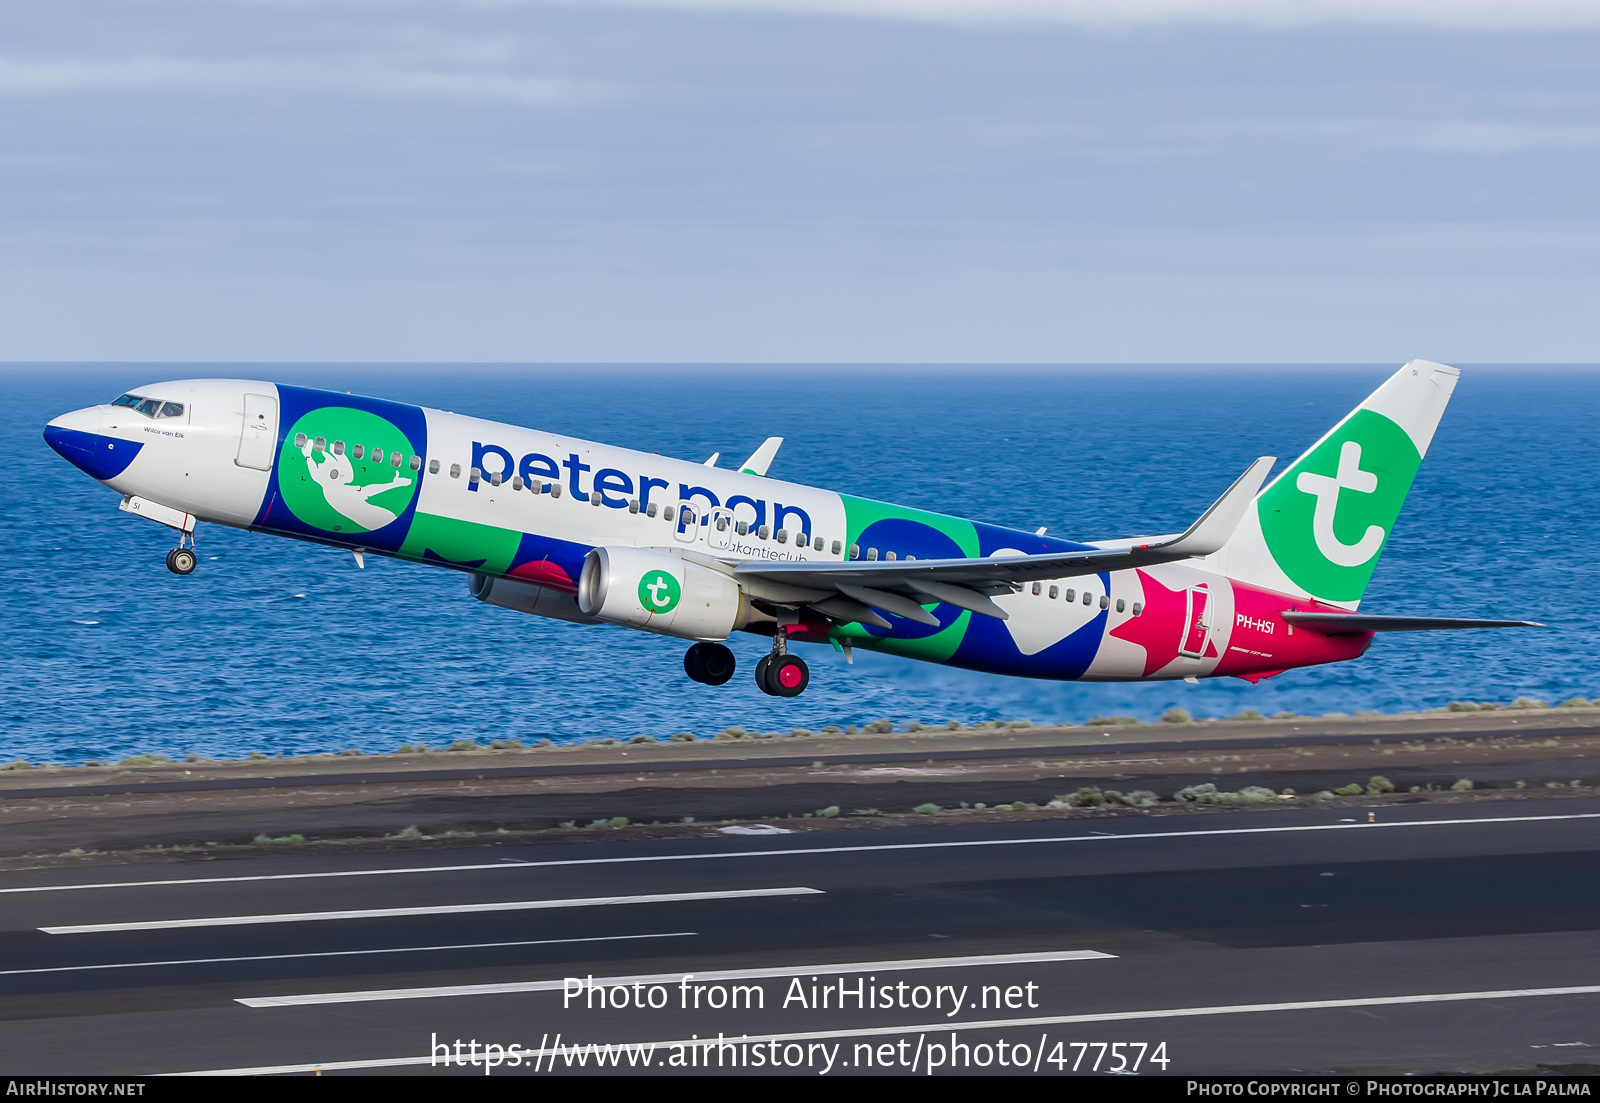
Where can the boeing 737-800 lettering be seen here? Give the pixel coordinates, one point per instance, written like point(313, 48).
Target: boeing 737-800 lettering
point(1265, 580)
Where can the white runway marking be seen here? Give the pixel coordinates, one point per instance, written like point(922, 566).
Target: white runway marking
point(801, 851)
point(511, 987)
point(441, 909)
point(342, 953)
point(987, 1024)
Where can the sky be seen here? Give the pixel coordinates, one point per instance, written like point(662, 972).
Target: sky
point(974, 181)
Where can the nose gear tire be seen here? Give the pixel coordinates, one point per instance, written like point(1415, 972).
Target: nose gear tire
point(181, 561)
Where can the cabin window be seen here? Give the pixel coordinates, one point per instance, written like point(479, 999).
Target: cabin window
point(836, 546)
point(494, 478)
point(666, 513)
point(633, 505)
point(320, 444)
point(816, 544)
point(1054, 590)
point(357, 451)
point(872, 553)
point(763, 532)
point(474, 475)
point(377, 455)
point(1138, 607)
point(516, 482)
point(299, 440)
point(651, 512)
point(338, 448)
point(1121, 604)
point(171, 409)
point(455, 468)
point(802, 540)
point(889, 555)
point(1088, 598)
point(1104, 601)
point(433, 467)
point(782, 536)
point(1037, 589)
point(555, 490)
point(742, 528)
point(416, 463)
point(594, 499)
point(1071, 594)
point(396, 457)
point(855, 551)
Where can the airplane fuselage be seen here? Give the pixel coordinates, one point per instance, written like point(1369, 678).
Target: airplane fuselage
point(520, 510)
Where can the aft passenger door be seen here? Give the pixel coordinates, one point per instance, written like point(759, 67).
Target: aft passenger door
point(1196, 622)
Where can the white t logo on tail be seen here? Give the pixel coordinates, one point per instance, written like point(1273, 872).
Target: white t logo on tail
point(1326, 491)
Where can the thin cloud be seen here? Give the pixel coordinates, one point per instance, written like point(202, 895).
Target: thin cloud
point(280, 77)
point(1445, 14)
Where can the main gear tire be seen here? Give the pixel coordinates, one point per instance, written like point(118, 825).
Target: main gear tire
point(717, 663)
point(761, 676)
point(694, 663)
point(787, 676)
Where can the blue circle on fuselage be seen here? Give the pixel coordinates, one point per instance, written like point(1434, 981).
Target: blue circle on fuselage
point(908, 538)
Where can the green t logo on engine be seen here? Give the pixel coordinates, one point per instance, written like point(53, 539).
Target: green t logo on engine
point(659, 592)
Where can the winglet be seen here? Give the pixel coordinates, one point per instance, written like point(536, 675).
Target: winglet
point(1216, 524)
point(762, 457)
point(712, 460)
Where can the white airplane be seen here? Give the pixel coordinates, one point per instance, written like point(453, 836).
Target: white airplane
point(1265, 580)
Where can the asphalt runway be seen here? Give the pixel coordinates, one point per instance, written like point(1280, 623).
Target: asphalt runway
point(1438, 939)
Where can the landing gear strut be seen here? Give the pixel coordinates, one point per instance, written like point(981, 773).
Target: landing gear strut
point(708, 663)
point(781, 674)
point(181, 560)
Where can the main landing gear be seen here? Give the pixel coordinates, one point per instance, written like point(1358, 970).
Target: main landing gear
point(781, 674)
point(708, 663)
point(181, 560)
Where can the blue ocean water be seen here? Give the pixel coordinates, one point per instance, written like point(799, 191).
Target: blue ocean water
point(275, 645)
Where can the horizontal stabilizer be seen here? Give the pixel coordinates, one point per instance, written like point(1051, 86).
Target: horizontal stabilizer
point(1353, 624)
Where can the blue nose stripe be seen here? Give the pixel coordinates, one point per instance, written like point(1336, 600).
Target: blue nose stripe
point(102, 457)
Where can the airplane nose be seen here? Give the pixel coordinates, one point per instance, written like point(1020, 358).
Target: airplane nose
point(101, 457)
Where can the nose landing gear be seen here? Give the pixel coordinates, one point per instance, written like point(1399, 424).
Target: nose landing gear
point(709, 663)
point(781, 674)
point(181, 560)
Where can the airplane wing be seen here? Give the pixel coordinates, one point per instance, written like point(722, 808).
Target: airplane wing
point(761, 458)
point(850, 590)
point(1352, 624)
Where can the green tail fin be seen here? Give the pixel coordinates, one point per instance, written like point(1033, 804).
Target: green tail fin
point(1318, 529)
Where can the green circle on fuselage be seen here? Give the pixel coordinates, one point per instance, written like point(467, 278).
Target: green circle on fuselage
point(339, 493)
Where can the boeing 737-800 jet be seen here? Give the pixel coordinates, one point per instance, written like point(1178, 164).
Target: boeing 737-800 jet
point(1266, 579)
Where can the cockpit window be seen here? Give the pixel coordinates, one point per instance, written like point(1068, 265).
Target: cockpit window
point(150, 407)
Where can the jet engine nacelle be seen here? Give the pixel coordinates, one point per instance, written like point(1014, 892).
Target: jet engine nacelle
point(657, 592)
point(524, 597)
